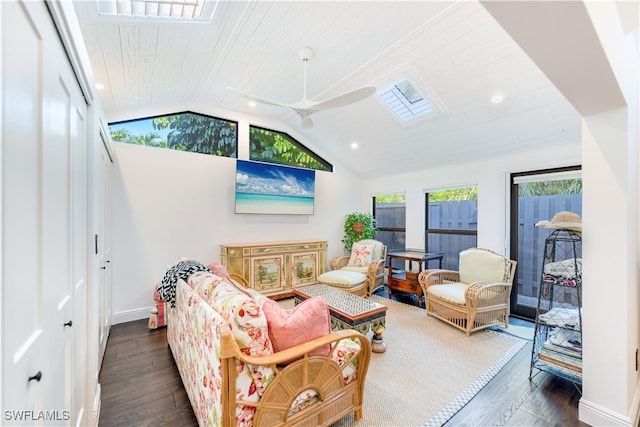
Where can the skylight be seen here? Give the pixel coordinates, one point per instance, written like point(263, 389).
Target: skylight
point(174, 10)
point(405, 100)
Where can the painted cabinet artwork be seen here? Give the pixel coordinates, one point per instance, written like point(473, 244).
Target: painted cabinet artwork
point(267, 274)
point(276, 268)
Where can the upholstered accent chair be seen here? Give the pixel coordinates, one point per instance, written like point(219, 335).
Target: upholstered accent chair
point(474, 297)
point(372, 267)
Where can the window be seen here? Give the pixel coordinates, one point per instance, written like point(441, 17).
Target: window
point(451, 223)
point(181, 131)
point(271, 146)
point(169, 10)
point(389, 211)
point(536, 196)
point(405, 100)
point(408, 100)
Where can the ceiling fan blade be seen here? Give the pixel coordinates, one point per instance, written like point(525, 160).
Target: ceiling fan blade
point(344, 99)
point(255, 98)
point(305, 115)
point(307, 123)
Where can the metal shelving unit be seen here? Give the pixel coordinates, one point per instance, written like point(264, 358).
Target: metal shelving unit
point(557, 342)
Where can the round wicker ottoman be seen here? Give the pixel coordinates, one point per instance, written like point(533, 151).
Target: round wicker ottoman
point(349, 281)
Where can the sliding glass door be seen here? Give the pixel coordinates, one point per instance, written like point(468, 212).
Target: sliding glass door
point(537, 196)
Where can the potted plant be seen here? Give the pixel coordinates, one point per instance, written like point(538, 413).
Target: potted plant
point(358, 226)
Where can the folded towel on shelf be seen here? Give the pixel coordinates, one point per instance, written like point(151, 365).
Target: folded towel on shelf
point(560, 316)
point(568, 268)
point(558, 280)
point(566, 338)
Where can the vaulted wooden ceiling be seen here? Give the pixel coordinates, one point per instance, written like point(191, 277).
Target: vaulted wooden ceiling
point(455, 53)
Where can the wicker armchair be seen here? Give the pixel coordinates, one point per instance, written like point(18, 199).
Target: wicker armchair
point(374, 271)
point(476, 296)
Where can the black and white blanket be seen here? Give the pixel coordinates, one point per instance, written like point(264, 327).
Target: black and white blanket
point(182, 270)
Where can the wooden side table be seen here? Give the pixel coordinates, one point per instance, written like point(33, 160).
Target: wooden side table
point(407, 281)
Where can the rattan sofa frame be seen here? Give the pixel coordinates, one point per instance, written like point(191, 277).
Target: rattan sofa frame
point(486, 303)
point(318, 373)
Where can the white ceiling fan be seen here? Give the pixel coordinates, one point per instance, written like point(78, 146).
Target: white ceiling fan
point(305, 108)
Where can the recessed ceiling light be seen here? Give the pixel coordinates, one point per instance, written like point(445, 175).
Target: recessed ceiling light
point(354, 145)
point(252, 103)
point(497, 99)
point(99, 86)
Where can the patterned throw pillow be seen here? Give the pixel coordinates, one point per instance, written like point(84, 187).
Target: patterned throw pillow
point(361, 255)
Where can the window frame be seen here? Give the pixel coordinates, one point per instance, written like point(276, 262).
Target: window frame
point(391, 229)
point(139, 119)
point(445, 231)
point(517, 309)
point(295, 143)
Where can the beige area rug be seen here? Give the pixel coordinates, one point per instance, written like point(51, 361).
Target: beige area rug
point(429, 371)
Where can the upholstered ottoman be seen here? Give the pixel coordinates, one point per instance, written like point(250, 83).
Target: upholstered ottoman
point(349, 281)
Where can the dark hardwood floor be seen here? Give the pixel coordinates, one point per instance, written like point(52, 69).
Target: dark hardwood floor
point(141, 387)
point(140, 381)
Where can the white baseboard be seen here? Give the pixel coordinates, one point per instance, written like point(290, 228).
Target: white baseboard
point(635, 406)
point(96, 405)
point(131, 315)
point(597, 415)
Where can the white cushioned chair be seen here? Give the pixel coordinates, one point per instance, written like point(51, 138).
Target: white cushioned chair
point(372, 268)
point(474, 297)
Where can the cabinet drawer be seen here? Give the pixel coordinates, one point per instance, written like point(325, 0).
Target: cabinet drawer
point(288, 248)
point(403, 285)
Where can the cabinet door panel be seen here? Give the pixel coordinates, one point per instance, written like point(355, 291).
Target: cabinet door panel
point(268, 273)
point(304, 269)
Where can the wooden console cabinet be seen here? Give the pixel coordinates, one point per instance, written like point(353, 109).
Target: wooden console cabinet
point(276, 268)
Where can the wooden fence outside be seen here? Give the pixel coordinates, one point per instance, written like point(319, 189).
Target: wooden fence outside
point(463, 215)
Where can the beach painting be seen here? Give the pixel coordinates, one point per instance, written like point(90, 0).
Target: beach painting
point(263, 188)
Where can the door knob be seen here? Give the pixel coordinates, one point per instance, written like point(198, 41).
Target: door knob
point(69, 323)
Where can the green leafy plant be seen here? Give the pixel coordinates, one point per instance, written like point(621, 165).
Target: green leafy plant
point(358, 226)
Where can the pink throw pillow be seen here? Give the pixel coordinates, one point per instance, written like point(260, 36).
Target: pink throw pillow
point(302, 323)
point(218, 269)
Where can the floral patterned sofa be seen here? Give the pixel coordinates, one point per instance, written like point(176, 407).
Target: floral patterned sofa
point(219, 337)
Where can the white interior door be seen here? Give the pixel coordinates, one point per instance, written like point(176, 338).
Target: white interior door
point(79, 252)
point(43, 194)
point(25, 329)
point(103, 246)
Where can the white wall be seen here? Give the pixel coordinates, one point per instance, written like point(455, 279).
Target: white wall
point(611, 381)
point(491, 177)
point(169, 203)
